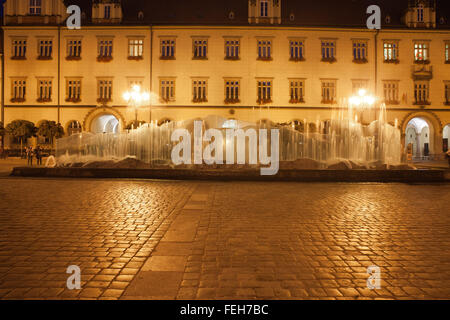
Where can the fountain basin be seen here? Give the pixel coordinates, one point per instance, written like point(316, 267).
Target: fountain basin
point(239, 174)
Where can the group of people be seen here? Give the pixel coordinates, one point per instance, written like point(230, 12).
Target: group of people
point(34, 153)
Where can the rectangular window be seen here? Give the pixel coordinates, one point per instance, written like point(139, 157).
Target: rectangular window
point(328, 50)
point(421, 52)
point(296, 90)
point(45, 48)
point(264, 49)
point(360, 51)
point(199, 90)
point(136, 48)
point(422, 92)
point(232, 90)
point(447, 52)
point(447, 92)
point(107, 12)
point(390, 92)
point(420, 14)
point(35, 7)
point(264, 91)
point(73, 49)
point(19, 47)
point(167, 90)
point(44, 90)
point(105, 49)
point(104, 90)
point(232, 49)
point(200, 48)
point(296, 50)
point(357, 85)
point(390, 50)
point(167, 48)
point(73, 90)
point(264, 8)
point(19, 88)
point(135, 82)
point(328, 91)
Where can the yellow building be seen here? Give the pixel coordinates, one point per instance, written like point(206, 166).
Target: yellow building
point(281, 60)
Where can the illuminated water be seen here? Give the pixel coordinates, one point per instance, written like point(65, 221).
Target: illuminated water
point(343, 138)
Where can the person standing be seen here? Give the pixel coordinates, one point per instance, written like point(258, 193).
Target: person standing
point(37, 153)
point(29, 152)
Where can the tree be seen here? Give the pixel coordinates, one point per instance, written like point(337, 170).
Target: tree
point(22, 130)
point(50, 130)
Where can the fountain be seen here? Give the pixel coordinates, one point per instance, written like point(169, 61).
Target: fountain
point(343, 142)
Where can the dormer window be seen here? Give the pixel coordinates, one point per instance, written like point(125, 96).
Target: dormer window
point(264, 8)
point(264, 11)
point(420, 13)
point(35, 7)
point(108, 12)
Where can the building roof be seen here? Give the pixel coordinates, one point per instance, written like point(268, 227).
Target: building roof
point(307, 13)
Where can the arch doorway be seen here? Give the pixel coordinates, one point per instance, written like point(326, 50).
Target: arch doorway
point(446, 137)
point(417, 140)
point(105, 123)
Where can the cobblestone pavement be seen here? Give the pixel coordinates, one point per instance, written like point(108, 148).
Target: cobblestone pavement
point(107, 228)
point(200, 240)
point(316, 241)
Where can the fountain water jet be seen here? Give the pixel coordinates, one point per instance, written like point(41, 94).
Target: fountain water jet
point(342, 139)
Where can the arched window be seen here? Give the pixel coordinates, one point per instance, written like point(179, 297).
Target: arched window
point(74, 128)
point(140, 16)
point(420, 13)
point(264, 8)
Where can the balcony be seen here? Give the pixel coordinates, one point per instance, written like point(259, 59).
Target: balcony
point(422, 72)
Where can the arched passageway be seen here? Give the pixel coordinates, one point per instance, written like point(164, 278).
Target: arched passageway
point(106, 123)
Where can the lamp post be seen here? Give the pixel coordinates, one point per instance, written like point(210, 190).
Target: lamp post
point(135, 98)
point(362, 101)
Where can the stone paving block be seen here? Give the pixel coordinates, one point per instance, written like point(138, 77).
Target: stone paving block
point(165, 263)
point(155, 284)
point(166, 248)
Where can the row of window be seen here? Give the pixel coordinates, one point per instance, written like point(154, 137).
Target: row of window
point(232, 49)
point(74, 48)
point(232, 90)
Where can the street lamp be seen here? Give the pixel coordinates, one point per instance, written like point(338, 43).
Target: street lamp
point(362, 99)
point(135, 98)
